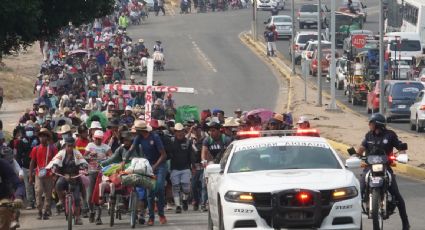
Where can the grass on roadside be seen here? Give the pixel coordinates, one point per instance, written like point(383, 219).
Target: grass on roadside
point(15, 86)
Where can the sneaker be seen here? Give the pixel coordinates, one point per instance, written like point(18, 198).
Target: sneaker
point(162, 220)
point(185, 205)
point(45, 216)
point(170, 207)
point(204, 208)
point(178, 209)
point(99, 221)
point(91, 218)
point(150, 222)
point(78, 221)
point(141, 220)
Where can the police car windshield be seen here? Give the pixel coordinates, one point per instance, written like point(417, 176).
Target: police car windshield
point(257, 158)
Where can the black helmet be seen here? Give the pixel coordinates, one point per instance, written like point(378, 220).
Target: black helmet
point(378, 119)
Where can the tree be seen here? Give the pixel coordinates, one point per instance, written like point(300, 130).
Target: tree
point(23, 22)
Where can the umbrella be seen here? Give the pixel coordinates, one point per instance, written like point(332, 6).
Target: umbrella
point(80, 51)
point(264, 114)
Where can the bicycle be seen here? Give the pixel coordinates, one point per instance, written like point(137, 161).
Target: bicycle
point(69, 199)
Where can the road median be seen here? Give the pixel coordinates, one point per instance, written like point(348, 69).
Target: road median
point(342, 130)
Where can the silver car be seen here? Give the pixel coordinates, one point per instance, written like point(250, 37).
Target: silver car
point(283, 24)
point(299, 42)
point(308, 15)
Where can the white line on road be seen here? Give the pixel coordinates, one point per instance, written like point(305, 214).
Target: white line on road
point(204, 57)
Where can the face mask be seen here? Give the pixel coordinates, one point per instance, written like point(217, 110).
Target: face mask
point(29, 133)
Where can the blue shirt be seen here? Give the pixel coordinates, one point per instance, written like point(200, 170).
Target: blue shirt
point(150, 146)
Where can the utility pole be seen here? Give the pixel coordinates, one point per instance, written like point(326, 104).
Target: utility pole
point(333, 61)
point(381, 57)
point(293, 36)
point(319, 53)
point(254, 20)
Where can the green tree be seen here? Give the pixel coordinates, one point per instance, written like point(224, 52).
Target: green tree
point(23, 22)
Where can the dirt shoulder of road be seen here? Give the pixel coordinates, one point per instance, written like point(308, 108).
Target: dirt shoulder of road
point(17, 78)
point(19, 73)
point(345, 126)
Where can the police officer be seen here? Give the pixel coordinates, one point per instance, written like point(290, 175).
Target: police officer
point(381, 138)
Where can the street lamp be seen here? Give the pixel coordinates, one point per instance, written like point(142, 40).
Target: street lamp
point(381, 57)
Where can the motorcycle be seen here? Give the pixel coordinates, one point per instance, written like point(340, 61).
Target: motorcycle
point(377, 202)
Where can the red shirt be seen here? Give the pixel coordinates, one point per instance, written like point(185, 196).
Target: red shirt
point(39, 155)
point(80, 145)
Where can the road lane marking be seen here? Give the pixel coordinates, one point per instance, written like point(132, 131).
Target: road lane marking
point(202, 55)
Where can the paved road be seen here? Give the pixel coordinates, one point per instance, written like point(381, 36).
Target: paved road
point(203, 51)
point(371, 24)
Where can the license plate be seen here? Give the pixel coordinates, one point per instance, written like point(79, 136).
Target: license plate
point(376, 180)
point(401, 106)
point(294, 215)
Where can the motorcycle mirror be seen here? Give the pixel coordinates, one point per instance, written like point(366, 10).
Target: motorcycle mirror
point(402, 158)
point(353, 162)
point(402, 146)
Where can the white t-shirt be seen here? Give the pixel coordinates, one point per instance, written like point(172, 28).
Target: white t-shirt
point(100, 151)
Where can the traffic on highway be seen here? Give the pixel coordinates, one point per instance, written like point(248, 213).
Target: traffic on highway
point(169, 122)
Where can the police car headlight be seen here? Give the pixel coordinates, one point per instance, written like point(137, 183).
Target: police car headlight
point(344, 193)
point(377, 168)
point(239, 197)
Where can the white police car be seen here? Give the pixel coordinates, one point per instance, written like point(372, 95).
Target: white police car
point(282, 183)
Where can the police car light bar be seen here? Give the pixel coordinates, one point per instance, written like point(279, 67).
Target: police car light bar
point(279, 133)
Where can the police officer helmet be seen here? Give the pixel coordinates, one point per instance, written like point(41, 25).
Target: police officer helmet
point(378, 119)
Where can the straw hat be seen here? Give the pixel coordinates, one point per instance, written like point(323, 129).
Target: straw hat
point(64, 129)
point(231, 122)
point(140, 125)
point(178, 127)
point(278, 117)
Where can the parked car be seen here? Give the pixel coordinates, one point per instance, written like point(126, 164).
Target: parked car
point(314, 64)
point(301, 38)
point(417, 113)
point(311, 46)
point(341, 72)
point(399, 96)
point(372, 105)
point(307, 15)
point(269, 4)
point(283, 24)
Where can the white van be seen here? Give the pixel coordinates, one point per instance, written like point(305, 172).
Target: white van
point(402, 45)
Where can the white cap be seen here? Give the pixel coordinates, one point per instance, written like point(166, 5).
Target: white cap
point(302, 119)
point(128, 108)
point(111, 103)
point(132, 77)
point(95, 125)
point(98, 134)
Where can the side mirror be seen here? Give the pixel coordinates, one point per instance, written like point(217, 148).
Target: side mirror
point(402, 158)
point(213, 169)
point(353, 163)
point(402, 147)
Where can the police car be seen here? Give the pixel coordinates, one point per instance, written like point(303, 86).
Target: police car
point(282, 182)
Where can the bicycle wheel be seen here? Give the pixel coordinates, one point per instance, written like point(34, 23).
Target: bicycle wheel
point(132, 206)
point(112, 211)
point(69, 211)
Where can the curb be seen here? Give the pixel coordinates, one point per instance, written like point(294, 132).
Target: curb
point(282, 68)
point(409, 170)
point(275, 62)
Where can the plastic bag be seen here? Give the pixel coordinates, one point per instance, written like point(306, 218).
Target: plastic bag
point(139, 166)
